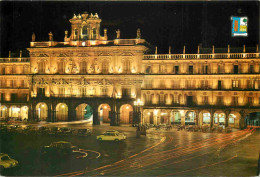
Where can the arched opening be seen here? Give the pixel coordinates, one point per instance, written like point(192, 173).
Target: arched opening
point(204, 118)
point(126, 114)
point(219, 118)
point(84, 112)
point(253, 119)
point(234, 119)
point(190, 118)
point(62, 112)
point(41, 111)
point(164, 117)
point(24, 113)
point(175, 117)
point(103, 113)
point(14, 112)
point(3, 112)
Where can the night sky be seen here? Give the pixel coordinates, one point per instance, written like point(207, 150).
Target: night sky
point(161, 23)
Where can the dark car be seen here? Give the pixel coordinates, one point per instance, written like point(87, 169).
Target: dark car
point(54, 130)
point(59, 148)
point(65, 131)
point(83, 132)
point(43, 130)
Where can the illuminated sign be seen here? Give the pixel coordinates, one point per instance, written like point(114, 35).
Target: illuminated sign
point(239, 26)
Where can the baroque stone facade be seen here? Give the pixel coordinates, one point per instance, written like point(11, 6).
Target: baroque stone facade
point(88, 77)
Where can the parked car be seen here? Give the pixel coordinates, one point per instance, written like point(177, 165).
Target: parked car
point(7, 162)
point(83, 132)
point(65, 131)
point(54, 130)
point(59, 148)
point(111, 136)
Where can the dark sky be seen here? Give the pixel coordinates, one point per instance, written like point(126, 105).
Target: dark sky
point(161, 23)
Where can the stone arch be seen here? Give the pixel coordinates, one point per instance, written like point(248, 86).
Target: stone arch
point(190, 118)
point(103, 112)
point(175, 117)
point(84, 112)
point(219, 117)
point(14, 112)
point(61, 112)
point(24, 112)
point(204, 118)
point(3, 112)
point(164, 117)
point(41, 111)
point(234, 119)
point(126, 114)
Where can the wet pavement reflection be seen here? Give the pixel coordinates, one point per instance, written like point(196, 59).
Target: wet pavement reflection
point(160, 153)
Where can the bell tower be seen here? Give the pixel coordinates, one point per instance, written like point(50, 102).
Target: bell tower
point(85, 27)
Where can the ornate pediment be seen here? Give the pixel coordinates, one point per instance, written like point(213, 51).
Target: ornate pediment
point(43, 55)
point(126, 54)
point(82, 55)
point(104, 54)
point(62, 55)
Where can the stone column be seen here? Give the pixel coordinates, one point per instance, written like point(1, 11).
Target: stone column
point(96, 120)
point(196, 117)
point(49, 118)
point(242, 119)
point(211, 117)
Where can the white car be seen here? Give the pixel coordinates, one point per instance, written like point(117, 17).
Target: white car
point(7, 162)
point(111, 136)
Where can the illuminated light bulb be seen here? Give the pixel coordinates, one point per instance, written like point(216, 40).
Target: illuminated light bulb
point(43, 105)
point(62, 106)
point(127, 107)
point(105, 107)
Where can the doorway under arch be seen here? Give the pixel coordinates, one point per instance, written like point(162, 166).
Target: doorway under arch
point(62, 112)
point(84, 112)
point(126, 114)
point(103, 113)
point(190, 118)
point(42, 111)
point(3, 112)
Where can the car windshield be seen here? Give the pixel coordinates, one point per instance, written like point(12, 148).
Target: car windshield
point(5, 158)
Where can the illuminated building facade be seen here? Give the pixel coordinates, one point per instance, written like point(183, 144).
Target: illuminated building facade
point(88, 77)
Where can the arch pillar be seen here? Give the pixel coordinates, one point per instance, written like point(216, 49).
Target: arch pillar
point(183, 113)
point(96, 119)
point(113, 114)
point(197, 117)
point(242, 119)
point(211, 117)
point(227, 112)
point(30, 113)
point(71, 111)
point(49, 116)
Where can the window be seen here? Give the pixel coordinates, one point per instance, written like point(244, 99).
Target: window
point(126, 66)
point(251, 69)
point(41, 92)
point(76, 34)
point(235, 69)
point(104, 67)
point(94, 33)
point(61, 67)
point(41, 67)
point(220, 100)
point(14, 96)
point(189, 100)
point(161, 99)
point(83, 91)
point(149, 100)
point(204, 84)
point(205, 99)
point(126, 92)
point(148, 70)
point(250, 84)
point(188, 84)
point(235, 101)
point(61, 91)
point(104, 91)
point(83, 67)
point(205, 69)
point(162, 68)
point(176, 69)
point(220, 68)
point(235, 84)
point(250, 101)
point(84, 30)
point(190, 69)
point(175, 84)
point(219, 84)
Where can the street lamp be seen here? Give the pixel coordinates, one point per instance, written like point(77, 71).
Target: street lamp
point(137, 111)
